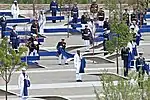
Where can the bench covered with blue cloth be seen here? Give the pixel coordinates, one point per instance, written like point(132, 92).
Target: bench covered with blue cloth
point(48, 53)
point(55, 18)
point(30, 58)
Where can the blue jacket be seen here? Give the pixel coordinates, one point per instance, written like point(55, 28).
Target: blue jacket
point(74, 12)
point(53, 6)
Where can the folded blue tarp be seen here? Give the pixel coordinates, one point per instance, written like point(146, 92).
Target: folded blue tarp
point(147, 16)
point(60, 30)
point(47, 53)
point(19, 20)
point(145, 26)
point(30, 58)
point(143, 30)
point(7, 33)
point(148, 10)
point(25, 40)
point(5, 13)
point(99, 39)
point(55, 18)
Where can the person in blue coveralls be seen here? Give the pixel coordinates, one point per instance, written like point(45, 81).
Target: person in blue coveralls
point(14, 39)
point(61, 45)
point(85, 18)
point(54, 8)
point(141, 67)
point(79, 64)
point(3, 24)
point(126, 17)
point(86, 33)
point(74, 14)
point(24, 83)
point(124, 56)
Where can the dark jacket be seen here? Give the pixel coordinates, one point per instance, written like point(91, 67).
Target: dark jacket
point(86, 34)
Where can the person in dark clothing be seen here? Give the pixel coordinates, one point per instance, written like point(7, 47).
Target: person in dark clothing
point(101, 14)
point(84, 18)
point(106, 25)
point(141, 17)
point(3, 24)
point(94, 7)
point(54, 8)
point(86, 37)
point(35, 27)
point(62, 45)
point(14, 38)
point(140, 64)
point(74, 13)
point(134, 15)
point(124, 56)
point(126, 17)
point(106, 38)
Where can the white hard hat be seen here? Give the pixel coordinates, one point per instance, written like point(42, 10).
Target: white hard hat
point(35, 42)
point(23, 69)
point(34, 35)
point(132, 26)
point(93, 0)
point(15, 0)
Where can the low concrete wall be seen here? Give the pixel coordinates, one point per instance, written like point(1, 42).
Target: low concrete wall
point(44, 6)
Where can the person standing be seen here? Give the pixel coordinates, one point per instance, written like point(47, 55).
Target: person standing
point(75, 14)
point(106, 25)
point(23, 83)
point(101, 16)
point(42, 21)
point(3, 24)
point(35, 28)
point(126, 17)
point(140, 63)
point(86, 37)
point(125, 56)
point(61, 45)
point(134, 15)
point(77, 65)
point(14, 38)
point(15, 9)
point(54, 9)
point(94, 8)
point(84, 18)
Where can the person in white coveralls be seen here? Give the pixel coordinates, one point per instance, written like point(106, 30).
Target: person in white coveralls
point(77, 65)
point(23, 83)
point(42, 21)
point(15, 9)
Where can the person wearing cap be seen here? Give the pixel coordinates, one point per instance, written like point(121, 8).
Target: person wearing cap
point(134, 15)
point(106, 25)
point(3, 24)
point(84, 18)
point(14, 39)
point(15, 9)
point(74, 13)
point(62, 45)
point(54, 8)
point(101, 14)
point(35, 28)
point(126, 17)
point(86, 33)
point(94, 7)
point(42, 21)
point(124, 57)
point(77, 65)
point(23, 83)
point(140, 64)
